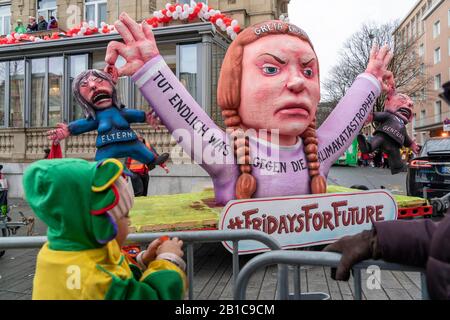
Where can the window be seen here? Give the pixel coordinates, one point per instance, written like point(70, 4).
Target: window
point(422, 117)
point(438, 111)
point(421, 50)
point(46, 91)
point(55, 89)
point(46, 8)
point(95, 10)
point(436, 29)
point(77, 64)
point(3, 111)
point(188, 68)
point(38, 96)
point(17, 93)
point(5, 20)
point(437, 82)
point(437, 55)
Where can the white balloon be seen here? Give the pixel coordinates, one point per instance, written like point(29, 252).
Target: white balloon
point(234, 23)
point(229, 29)
point(185, 15)
point(207, 16)
point(223, 27)
point(178, 9)
point(169, 14)
point(85, 24)
point(83, 29)
point(17, 36)
point(9, 37)
point(191, 10)
point(91, 24)
point(233, 36)
point(175, 15)
point(219, 22)
point(168, 6)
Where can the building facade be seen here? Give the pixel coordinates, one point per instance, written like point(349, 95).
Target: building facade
point(36, 79)
point(428, 24)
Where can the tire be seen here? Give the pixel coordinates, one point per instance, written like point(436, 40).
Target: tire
point(4, 234)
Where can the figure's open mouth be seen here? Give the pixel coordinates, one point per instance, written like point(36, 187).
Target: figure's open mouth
point(101, 96)
point(407, 113)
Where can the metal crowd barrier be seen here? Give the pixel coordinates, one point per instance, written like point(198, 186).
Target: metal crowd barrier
point(189, 239)
point(310, 258)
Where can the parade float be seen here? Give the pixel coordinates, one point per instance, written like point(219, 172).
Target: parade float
point(261, 87)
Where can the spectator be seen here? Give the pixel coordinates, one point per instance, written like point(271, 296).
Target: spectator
point(47, 153)
point(140, 172)
point(32, 26)
point(20, 27)
point(42, 25)
point(385, 161)
point(53, 24)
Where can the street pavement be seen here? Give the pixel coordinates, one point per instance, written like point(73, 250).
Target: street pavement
point(17, 267)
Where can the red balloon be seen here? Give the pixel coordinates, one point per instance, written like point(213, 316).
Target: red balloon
point(237, 29)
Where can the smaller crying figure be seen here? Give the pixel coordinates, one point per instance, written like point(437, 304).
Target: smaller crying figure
point(390, 134)
point(96, 93)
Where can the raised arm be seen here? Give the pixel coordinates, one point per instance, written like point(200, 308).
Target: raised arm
point(342, 126)
point(197, 134)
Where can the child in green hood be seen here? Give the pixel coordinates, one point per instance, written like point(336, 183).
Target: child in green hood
point(85, 206)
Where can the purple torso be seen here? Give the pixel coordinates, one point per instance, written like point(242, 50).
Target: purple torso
point(279, 171)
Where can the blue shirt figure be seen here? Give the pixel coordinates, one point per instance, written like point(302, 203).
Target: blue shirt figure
point(96, 93)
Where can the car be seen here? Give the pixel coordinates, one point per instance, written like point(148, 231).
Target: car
point(429, 174)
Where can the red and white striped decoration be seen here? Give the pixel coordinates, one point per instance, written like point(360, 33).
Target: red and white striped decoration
point(187, 13)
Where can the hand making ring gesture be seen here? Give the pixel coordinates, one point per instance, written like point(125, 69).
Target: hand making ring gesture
point(139, 45)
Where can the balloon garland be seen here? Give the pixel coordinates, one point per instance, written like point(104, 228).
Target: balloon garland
point(182, 12)
point(185, 12)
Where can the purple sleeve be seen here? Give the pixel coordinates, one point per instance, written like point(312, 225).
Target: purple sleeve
point(342, 126)
point(405, 242)
point(188, 123)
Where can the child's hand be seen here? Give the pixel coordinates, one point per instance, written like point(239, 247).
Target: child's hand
point(171, 246)
point(150, 254)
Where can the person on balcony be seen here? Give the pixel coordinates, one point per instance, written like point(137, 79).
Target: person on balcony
point(42, 25)
point(20, 28)
point(32, 25)
point(53, 24)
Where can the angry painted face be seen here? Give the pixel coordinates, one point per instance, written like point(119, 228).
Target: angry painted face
point(401, 105)
point(97, 91)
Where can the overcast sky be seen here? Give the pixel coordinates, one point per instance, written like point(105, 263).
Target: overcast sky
point(330, 22)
